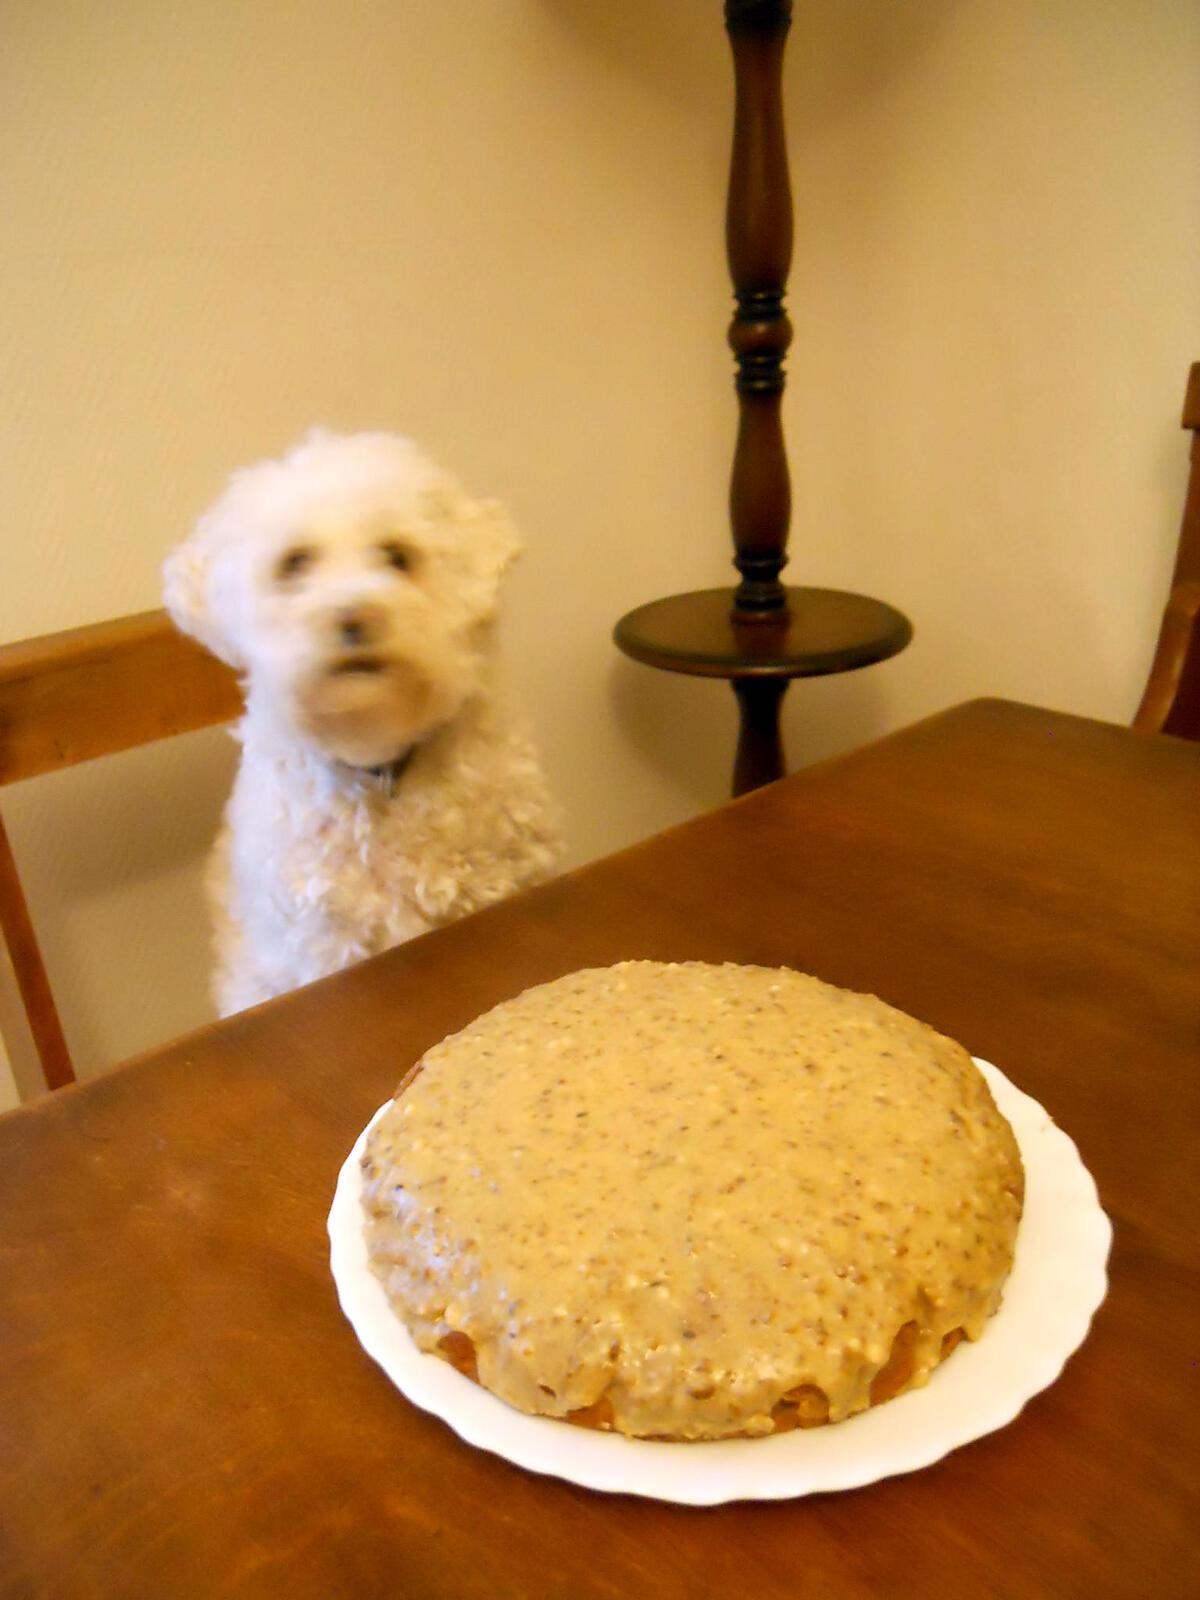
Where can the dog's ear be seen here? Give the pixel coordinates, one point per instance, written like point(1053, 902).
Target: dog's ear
point(488, 545)
point(198, 587)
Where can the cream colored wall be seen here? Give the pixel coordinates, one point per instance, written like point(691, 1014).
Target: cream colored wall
point(496, 226)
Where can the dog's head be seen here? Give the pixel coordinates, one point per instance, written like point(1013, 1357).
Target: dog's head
point(353, 583)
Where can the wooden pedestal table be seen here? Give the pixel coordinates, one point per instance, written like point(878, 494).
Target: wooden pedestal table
point(761, 634)
point(819, 632)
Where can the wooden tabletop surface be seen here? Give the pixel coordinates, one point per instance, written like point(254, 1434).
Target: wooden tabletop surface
point(184, 1412)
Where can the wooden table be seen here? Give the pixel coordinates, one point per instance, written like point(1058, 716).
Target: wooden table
point(183, 1411)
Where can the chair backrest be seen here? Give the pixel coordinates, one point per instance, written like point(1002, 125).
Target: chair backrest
point(1171, 703)
point(69, 697)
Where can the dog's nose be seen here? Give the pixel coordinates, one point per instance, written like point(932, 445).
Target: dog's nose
point(355, 627)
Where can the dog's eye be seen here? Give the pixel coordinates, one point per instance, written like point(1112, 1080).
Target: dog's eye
point(395, 555)
point(293, 562)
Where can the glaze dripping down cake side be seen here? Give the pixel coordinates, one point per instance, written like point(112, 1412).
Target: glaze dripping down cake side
point(689, 1201)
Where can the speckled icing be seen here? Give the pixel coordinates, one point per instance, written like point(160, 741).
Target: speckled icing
point(690, 1192)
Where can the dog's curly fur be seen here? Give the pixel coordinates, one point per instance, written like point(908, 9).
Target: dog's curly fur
point(385, 786)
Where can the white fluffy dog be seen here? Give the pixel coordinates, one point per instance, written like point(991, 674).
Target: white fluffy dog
point(383, 788)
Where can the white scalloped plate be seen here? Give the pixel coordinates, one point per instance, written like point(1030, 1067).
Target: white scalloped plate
point(1057, 1282)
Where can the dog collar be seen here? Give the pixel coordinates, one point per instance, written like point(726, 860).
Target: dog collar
point(388, 775)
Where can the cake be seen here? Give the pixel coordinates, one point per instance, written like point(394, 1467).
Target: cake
point(689, 1201)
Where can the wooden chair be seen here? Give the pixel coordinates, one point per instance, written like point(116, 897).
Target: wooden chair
point(69, 697)
point(1171, 703)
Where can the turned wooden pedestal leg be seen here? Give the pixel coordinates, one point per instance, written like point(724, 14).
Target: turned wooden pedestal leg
point(759, 757)
point(760, 635)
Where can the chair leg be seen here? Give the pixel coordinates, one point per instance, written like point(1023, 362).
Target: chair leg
point(30, 974)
